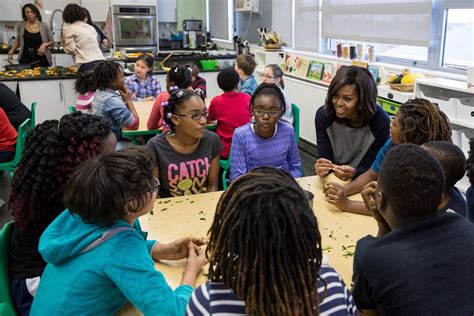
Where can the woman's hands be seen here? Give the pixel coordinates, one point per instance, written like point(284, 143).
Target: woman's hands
point(10, 58)
point(323, 167)
point(42, 49)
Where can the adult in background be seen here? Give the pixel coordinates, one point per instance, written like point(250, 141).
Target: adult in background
point(350, 127)
point(80, 39)
point(16, 111)
point(103, 40)
point(34, 39)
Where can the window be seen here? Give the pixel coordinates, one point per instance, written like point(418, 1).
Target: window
point(459, 38)
point(220, 18)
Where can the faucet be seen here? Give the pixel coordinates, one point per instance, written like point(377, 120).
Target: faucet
point(51, 23)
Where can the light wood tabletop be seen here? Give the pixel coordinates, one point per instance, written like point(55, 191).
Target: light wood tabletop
point(192, 215)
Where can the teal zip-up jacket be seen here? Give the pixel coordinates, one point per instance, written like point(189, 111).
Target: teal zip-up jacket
point(79, 280)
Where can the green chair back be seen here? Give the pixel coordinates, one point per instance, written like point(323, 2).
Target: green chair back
point(33, 114)
point(225, 165)
point(23, 132)
point(7, 308)
point(71, 109)
point(296, 121)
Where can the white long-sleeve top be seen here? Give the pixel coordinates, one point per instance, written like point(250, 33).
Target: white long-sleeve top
point(81, 41)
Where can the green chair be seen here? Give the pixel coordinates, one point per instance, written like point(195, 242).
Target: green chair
point(225, 165)
point(296, 121)
point(33, 114)
point(71, 109)
point(7, 307)
point(23, 132)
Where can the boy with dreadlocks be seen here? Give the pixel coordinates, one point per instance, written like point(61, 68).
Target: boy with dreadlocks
point(417, 121)
point(112, 100)
point(420, 262)
point(249, 270)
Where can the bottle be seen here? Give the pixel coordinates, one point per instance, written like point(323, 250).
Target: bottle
point(371, 53)
point(12, 41)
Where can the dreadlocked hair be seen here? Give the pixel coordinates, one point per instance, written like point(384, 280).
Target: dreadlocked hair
point(105, 73)
point(422, 121)
point(180, 76)
point(85, 82)
point(177, 100)
point(269, 89)
point(52, 152)
point(264, 244)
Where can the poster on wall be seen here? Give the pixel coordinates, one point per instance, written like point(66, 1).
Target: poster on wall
point(315, 71)
point(295, 65)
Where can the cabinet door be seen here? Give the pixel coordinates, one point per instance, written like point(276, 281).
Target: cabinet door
point(69, 94)
point(191, 9)
point(166, 11)
point(11, 11)
point(97, 8)
point(49, 95)
point(64, 60)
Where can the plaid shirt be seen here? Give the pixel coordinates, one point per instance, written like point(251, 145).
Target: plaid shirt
point(141, 90)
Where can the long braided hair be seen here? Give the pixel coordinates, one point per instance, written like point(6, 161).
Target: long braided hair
point(52, 152)
point(470, 162)
point(264, 244)
point(105, 73)
point(422, 121)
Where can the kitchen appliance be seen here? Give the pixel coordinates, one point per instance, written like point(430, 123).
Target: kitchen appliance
point(194, 34)
point(134, 27)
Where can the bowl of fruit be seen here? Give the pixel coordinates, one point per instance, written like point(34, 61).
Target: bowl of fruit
point(405, 81)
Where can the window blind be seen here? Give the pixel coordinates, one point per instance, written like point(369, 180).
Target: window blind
point(403, 22)
point(306, 25)
point(219, 19)
point(282, 20)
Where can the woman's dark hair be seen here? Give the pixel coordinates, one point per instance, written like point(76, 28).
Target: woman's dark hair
point(269, 89)
point(100, 189)
point(179, 76)
point(148, 60)
point(422, 121)
point(264, 244)
point(87, 16)
point(33, 8)
point(73, 12)
point(366, 89)
point(277, 73)
point(177, 100)
point(52, 152)
point(85, 82)
point(105, 73)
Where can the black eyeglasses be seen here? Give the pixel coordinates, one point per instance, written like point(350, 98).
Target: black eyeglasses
point(260, 112)
point(195, 116)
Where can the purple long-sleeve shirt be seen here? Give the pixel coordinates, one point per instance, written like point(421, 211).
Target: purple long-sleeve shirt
point(249, 151)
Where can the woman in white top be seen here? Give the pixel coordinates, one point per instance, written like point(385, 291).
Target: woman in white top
point(80, 39)
point(272, 73)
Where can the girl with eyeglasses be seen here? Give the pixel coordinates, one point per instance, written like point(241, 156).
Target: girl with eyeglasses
point(267, 141)
point(272, 73)
point(188, 154)
point(98, 257)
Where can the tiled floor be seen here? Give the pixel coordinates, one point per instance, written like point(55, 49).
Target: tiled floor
point(307, 159)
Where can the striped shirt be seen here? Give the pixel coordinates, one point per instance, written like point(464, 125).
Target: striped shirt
point(249, 151)
point(84, 102)
point(216, 299)
point(150, 87)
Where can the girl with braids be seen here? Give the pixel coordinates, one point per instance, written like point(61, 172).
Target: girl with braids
point(52, 152)
point(112, 99)
point(272, 73)
point(267, 141)
point(97, 258)
point(178, 77)
point(470, 175)
point(188, 154)
point(262, 220)
point(350, 127)
point(417, 121)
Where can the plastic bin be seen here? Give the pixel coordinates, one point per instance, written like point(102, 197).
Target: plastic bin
point(391, 107)
point(209, 64)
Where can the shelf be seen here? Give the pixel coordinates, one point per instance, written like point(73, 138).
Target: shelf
point(447, 84)
point(462, 123)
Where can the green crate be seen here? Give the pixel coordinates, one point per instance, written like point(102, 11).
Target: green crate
point(391, 107)
point(209, 64)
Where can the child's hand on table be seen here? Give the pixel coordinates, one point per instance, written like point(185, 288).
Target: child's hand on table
point(176, 250)
point(334, 193)
point(344, 172)
point(323, 167)
point(196, 259)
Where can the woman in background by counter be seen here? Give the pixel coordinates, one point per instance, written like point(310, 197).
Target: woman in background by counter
point(33, 38)
point(103, 40)
point(80, 39)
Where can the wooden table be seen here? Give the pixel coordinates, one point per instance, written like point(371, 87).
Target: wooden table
point(143, 109)
point(192, 215)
